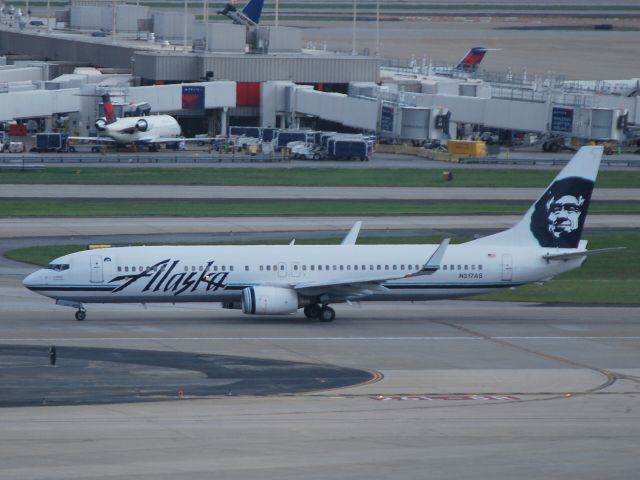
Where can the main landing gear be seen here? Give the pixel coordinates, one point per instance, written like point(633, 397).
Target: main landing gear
point(323, 313)
point(81, 314)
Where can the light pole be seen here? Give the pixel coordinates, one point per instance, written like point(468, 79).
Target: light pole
point(277, 11)
point(353, 41)
point(377, 28)
point(114, 14)
point(184, 45)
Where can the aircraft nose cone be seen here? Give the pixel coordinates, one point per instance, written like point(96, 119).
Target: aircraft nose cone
point(31, 280)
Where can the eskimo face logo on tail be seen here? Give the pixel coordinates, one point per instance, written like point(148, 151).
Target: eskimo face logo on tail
point(559, 215)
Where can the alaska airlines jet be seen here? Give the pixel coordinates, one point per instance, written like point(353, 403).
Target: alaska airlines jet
point(277, 280)
point(249, 15)
point(151, 131)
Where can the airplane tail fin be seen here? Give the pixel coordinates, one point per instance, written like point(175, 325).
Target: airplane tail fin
point(471, 61)
point(253, 10)
point(557, 218)
point(108, 109)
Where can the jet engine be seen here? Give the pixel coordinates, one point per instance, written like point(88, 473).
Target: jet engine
point(142, 125)
point(269, 300)
point(101, 124)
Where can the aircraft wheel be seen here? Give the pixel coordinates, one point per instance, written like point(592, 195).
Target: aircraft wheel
point(312, 311)
point(327, 314)
point(81, 315)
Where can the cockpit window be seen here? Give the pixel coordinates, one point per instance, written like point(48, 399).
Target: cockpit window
point(58, 267)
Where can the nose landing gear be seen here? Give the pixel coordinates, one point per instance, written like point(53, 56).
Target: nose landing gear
point(81, 313)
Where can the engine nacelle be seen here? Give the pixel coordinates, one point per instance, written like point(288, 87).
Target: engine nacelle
point(269, 300)
point(101, 124)
point(142, 125)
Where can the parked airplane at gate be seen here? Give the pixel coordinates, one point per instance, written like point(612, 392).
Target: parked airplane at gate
point(150, 131)
point(249, 15)
point(277, 280)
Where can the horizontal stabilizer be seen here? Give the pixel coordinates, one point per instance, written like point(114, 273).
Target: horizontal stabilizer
point(581, 253)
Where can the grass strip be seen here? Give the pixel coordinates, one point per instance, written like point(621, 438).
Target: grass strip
point(607, 279)
point(305, 177)
point(216, 208)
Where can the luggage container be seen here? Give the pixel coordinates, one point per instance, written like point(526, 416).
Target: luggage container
point(340, 148)
point(253, 132)
point(51, 142)
point(467, 148)
point(286, 136)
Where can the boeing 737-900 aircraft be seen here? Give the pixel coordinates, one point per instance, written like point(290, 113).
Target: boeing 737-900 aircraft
point(277, 280)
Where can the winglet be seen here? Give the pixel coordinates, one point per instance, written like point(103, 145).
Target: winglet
point(352, 236)
point(433, 264)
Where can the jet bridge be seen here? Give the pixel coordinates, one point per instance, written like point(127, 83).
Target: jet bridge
point(44, 103)
point(287, 102)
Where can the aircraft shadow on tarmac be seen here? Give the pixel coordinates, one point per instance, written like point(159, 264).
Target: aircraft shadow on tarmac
point(97, 375)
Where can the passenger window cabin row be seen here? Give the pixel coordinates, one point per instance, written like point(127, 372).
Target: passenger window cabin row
point(304, 268)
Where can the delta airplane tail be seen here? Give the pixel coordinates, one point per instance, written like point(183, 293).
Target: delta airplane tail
point(470, 62)
point(109, 114)
point(253, 10)
point(556, 219)
point(249, 15)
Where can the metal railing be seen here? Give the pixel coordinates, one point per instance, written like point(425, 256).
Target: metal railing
point(18, 159)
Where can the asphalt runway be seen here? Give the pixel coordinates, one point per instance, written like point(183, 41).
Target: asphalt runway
point(463, 388)
point(292, 193)
point(576, 54)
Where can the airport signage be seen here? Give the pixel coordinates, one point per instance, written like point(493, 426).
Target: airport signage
point(386, 118)
point(562, 120)
point(193, 98)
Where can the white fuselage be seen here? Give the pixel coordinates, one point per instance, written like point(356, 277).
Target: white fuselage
point(219, 273)
point(125, 130)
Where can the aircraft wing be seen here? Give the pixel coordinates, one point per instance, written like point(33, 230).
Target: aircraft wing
point(362, 286)
point(96, 140)
point(322, 286)
point(161, 140)
point(346, 288)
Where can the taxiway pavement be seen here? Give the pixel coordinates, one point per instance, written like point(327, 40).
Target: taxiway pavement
point(56, 227)
point(466, 389)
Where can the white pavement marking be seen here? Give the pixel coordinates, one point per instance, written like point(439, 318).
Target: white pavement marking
point(107, 339)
